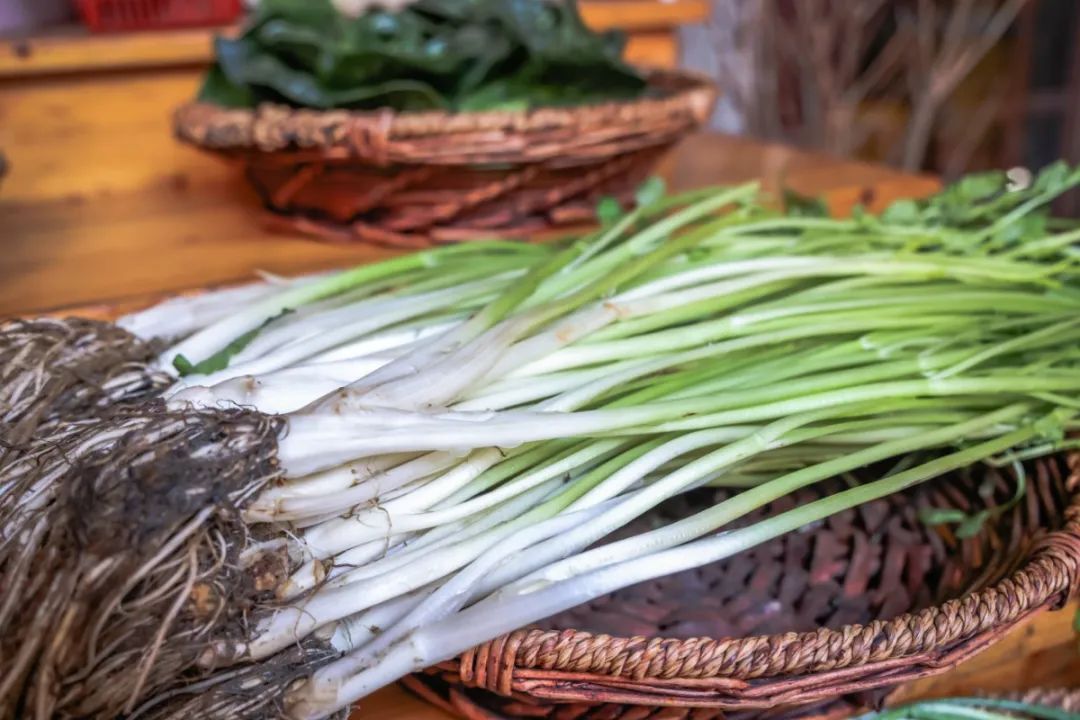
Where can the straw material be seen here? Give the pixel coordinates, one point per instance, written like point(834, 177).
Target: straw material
point(821, 623)
point(416, 179)
point(1067, 699)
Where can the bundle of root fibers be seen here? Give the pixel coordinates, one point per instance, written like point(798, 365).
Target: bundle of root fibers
point(461, 429)
point(55, 370)
point(121, 543)
point(119, 555)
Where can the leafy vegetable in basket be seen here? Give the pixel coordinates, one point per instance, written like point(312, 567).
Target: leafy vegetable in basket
point(433, 54)
point(459, 428)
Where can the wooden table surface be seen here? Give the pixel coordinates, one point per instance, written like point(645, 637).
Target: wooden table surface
point(73, 233)
point(94, 238)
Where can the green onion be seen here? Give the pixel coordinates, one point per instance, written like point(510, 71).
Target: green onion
point(463, 426)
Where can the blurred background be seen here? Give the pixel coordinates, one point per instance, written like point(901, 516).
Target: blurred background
point(902, 91)
point(942, 86)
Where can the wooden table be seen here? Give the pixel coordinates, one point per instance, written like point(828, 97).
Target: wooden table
point(73, 233)
point(188, 221)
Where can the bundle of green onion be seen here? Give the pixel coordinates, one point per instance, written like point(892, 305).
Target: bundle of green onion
point(977, 709)
point(464, 427)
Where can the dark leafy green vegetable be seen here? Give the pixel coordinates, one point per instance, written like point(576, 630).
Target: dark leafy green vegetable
point(433, 54)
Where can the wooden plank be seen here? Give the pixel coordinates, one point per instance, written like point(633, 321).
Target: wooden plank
point(97, 135)
point(634, 15)
point(73, 50)
point(658, 49)
point(1044, 652)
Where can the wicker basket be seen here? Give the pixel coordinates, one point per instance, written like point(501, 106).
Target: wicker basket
point(413, 179)
point(1067, 699)
point(818, 623)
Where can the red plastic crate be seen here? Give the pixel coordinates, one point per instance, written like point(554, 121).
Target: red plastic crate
point(126, 15)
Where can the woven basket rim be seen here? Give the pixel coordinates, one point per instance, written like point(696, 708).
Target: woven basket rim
point(1048, 576)
point(1062, 698)
point(271, 127)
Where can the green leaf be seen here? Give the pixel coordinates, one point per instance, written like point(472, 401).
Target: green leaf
point(245, 64)
point(941, 516)
point(973, 524)
point(650, 191)
point(608, 210)
point(979, 186)
point(219, 90)
point(183, 365)
point(492, 96)
point(970, 525)
point(1054, 178)
point(902, 212)
point(220, 359)
point(1027, 227)
point(798, 205)
point(1050, 428)
point(454, 54)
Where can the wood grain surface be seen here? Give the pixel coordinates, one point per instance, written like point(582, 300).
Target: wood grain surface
point(86, 217)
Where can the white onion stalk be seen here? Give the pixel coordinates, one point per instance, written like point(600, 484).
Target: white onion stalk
point(184, 314)
point(350, 679)
point(212, 338)
point(347, 324)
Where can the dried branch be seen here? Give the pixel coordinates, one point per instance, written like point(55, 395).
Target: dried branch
point(975, 128)
point(824, 47)
point(937, 67)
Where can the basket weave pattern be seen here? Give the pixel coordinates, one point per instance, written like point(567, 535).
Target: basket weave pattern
point(412, 179)
point(1061, 698)
point(1027, 561)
